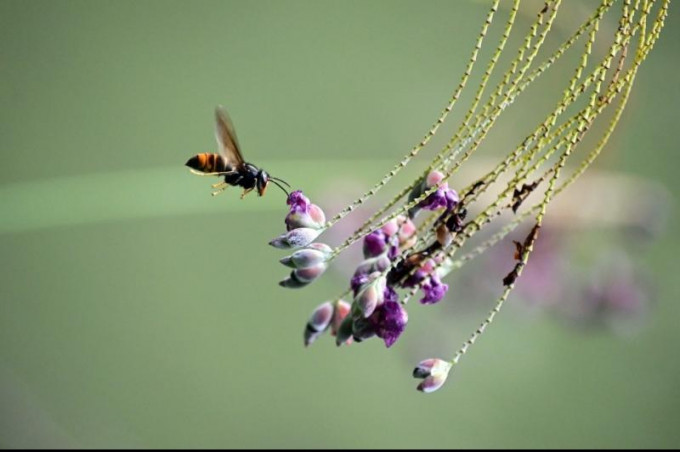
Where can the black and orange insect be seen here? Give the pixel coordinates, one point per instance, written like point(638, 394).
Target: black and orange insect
point(228, 162)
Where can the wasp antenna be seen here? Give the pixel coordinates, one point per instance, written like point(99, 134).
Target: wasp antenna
point(280, 186)
point(280, 180)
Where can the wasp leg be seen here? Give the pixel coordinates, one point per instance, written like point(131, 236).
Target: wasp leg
point(200, 173)
point(220, 185)
point(245, 192)
point(219, 192)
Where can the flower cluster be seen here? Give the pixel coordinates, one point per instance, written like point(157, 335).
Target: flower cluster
point(376, 309)
point(304, 223)
point(402, 254)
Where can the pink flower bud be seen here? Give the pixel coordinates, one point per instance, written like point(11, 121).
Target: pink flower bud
point(434, 372)
point(321, 317)
point(297, 238)
point(407, 233)
point(391, 227)
point(342, 308)
point(318, 322)
point(371, 294)
point(313, 217)
point(309, 274)
point(434, 178)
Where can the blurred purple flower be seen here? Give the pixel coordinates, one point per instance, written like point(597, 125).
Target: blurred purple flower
point(434, 290)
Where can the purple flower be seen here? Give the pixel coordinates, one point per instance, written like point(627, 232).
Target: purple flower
point(434, 290)
point(374, 244)
point(298, 202)
point(357, 281)
point(303, 214)
point(389, 321)
point(452, 198)
point(435, 200)
point(391, 295)
point(416, 278)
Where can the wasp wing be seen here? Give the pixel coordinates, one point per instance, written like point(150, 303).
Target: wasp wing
point(226, 139)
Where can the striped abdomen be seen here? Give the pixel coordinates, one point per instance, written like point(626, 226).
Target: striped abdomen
point(208, 162)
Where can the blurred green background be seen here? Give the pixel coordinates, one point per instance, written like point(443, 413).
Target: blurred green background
point(138, 311)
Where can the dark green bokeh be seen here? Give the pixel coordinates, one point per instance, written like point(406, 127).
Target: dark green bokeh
point(137, 311)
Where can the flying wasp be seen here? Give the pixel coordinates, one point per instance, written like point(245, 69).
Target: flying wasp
point(229, 162)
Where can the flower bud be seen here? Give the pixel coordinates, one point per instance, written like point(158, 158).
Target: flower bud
point(297, 238)
point(407, 233)
point(303, 214)
point(342, 308)
point(375, 264)
point(358, 280)
point(362, 329)
point(433, 178)
point(371, 294)
point(344, 332)
point(374, 244)
point(309, 274)
point(391, 227)
point(292, 282)
point(313, 254)
point(318, 322)
point(321, 317)
point(313, 218)
point(434, 372)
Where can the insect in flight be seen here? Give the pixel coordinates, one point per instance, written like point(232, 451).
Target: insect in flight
point(229, 162)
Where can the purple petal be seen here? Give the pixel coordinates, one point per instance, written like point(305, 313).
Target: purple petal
point(434, 291)
point(390, 320)
point(297, 201)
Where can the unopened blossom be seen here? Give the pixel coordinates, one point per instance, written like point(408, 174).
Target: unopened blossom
point(375, 244)
point(303, 214)
point(318, 322)
point(300, 277)
point(341, 311)
point(313, 254)
point(434, 372)
point(370, 294)
point(296, 238)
